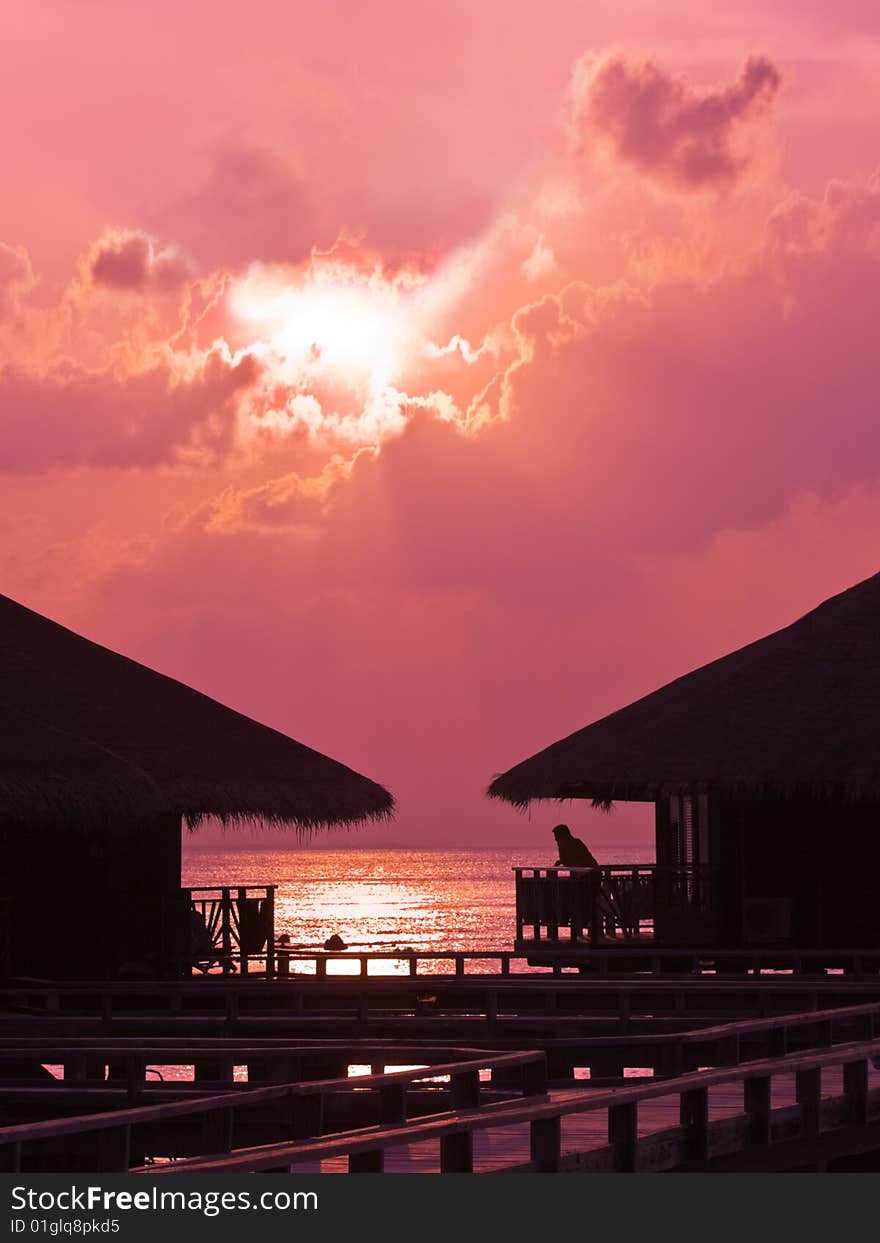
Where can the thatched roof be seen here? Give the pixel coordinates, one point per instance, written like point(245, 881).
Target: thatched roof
point(49, 778)
point(206, 759)
point(797, 712)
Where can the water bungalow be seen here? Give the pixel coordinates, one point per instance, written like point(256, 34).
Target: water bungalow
point(101, 761)
point(764, 771)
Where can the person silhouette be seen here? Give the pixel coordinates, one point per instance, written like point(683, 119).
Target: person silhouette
point(573, 853)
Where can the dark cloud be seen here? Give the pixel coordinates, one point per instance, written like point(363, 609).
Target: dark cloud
point(657, 124)
point(249, 205)
point(73, 417)
point(126, 259)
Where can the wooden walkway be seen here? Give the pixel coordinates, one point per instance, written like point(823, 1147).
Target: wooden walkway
point(777, 1077)
point(766, 1123)
point(496, 1151)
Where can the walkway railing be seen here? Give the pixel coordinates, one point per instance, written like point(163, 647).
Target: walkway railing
point(121, 1063)
point(692, 1144)
point(302, 1101)
point(178, 1005)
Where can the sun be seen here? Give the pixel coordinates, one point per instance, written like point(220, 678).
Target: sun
point(345, 325)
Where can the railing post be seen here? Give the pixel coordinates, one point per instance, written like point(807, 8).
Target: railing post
point(226, 923)
point(135, 1074)
point(518, 890)
point(457, 1153)
point(596, 929)
point(392, 1104)
point(808, 1093)
point(553, 905)
point(672, 1058)
point(464, 1090)
point(778, 1041)
point(855, 1089)
point(491, 1008)
point(306, 1115)
point(242, 948)
point(693, 1112)
point(545, 1144)
point(729, 1050)
point(623, 1134)
point(534, 1077)
point(270, 936)
point(113, 1150)
point(217, 1129)
point(756, 1103)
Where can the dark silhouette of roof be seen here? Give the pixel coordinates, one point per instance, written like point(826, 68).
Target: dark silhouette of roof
point(50, 778)
point(204, 758)
point(795, 713)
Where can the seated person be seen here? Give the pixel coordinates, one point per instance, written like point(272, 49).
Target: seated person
point(573, 853)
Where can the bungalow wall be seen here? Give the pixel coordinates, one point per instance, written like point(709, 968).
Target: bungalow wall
point(786, 872)
point(91, 904)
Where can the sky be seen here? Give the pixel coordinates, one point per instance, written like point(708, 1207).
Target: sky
point(429, 380)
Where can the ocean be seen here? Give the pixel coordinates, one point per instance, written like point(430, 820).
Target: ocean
point(384, 899)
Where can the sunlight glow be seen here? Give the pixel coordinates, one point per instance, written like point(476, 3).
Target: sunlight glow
point(349, 325)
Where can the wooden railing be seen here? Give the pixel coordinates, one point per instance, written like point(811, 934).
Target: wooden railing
point(175, 1005)
point(231, 928)
point(121, 1063)
point(112, 1132)
point(615, 901)
point(692, 1144)
point(303, 1102)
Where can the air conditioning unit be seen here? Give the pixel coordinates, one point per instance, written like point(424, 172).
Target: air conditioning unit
point(767, 919)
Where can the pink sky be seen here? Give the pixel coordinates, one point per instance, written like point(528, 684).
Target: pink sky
point(428, 380)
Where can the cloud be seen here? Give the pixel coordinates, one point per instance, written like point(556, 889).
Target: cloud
point(128, 259)
point(288, 501)
point(249, 205)
point(71, 417)
point(16, 278)
point(682, 137)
